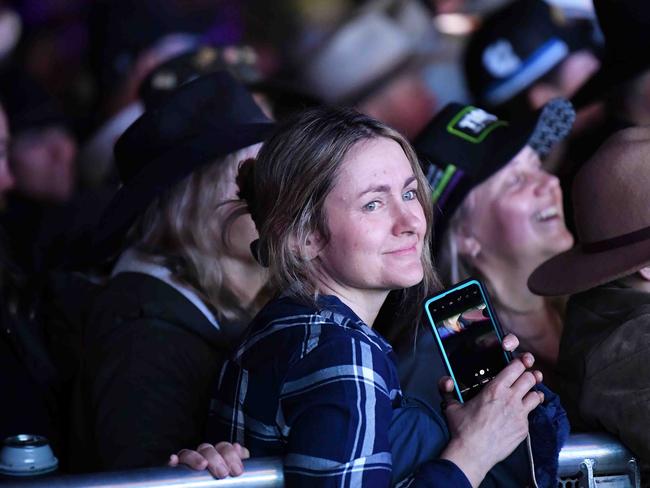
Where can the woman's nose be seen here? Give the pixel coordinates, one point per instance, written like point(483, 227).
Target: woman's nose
point(7, 181)
point(60, 145)
point(408, 218)
point(546, 182)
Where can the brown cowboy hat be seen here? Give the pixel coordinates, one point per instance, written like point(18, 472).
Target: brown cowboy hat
point(611, 206)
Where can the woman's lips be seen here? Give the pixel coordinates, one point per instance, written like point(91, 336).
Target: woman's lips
point(403, 251)
point(546, 214)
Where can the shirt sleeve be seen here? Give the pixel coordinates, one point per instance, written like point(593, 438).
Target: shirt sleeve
point(335, 411)
point(439, 473)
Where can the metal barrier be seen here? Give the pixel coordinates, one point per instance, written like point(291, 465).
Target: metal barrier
point(258, 473)
point(587, 460)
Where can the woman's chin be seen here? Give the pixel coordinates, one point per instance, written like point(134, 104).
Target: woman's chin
point(408, 279)
point(562, 242)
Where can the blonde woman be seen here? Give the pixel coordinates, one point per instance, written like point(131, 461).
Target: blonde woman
point(342, 210)
point(184, 284)
point(499, 215)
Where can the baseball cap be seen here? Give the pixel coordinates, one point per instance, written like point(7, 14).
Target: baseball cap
point(464, 145)
point(519, 44)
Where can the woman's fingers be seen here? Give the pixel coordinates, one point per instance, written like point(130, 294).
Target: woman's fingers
point(215, 463)
point(446, 388)
point(193, 459)
point(222, 459)
point(231, 455)
point(510, 343)
point(243, 452)
point(532, 400)
point(508, 375)
point(173, 460)
point(528, 359)
point(524, 384)
point(445, 385)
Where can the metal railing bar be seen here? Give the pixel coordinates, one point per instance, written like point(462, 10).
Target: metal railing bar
point(258, 473)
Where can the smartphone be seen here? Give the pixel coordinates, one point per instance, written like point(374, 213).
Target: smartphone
point(469, 335)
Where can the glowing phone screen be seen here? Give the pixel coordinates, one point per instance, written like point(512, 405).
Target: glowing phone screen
point(466, 330)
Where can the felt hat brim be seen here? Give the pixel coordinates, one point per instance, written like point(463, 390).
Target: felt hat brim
point(588, 269)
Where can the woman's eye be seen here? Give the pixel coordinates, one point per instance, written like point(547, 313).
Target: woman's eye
point(516, 179)
point(371, 206)
point(409, 195)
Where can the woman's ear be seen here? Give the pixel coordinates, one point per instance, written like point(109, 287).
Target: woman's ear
point(310, 247)
point(466, 243)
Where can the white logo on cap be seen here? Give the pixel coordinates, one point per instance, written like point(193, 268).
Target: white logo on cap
point(500, 59)
point(476, 121)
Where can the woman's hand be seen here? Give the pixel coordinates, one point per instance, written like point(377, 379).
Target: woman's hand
point(486, 429)
point(221, 459)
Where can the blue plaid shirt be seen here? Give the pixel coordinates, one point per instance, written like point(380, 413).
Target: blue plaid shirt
point(318, 387)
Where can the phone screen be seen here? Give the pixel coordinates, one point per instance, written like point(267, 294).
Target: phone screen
point(466, 330)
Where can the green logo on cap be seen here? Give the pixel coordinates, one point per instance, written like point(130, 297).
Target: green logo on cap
point(474, 124)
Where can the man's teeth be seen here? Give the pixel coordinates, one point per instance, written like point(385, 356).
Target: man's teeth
point(546, 214)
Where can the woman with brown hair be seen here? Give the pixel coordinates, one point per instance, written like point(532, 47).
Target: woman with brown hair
point(342, 210)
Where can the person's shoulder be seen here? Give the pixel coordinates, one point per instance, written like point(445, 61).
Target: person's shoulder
point(130, 297)
point(135, 284)
point(288, 317)
point(139, 290)
point(286, 320)
point(285, 308)
point(131, 289)
point(291, 328)
point(609, 303)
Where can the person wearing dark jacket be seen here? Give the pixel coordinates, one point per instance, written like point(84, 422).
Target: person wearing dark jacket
point(606, 339)
point(24, 379)
point(184, 283)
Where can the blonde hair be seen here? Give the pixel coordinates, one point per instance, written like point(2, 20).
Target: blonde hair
point(187, 230)
point(287, 185)
point(451, 264)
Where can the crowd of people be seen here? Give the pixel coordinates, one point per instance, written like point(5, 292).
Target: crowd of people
point(212, 250)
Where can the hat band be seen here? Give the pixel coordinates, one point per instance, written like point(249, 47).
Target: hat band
point(617, 242)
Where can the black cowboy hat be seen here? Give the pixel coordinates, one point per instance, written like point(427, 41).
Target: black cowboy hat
point(626, 27)
point(202, 120)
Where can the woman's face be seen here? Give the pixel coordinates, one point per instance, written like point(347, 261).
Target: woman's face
point(44, 163)
point(376, 223)
point(517, 214)
point(241, 231)
point(6, 178)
